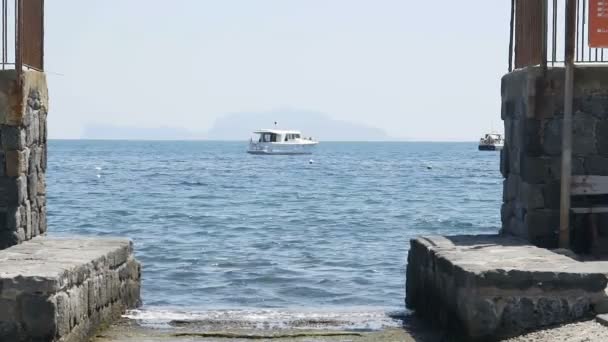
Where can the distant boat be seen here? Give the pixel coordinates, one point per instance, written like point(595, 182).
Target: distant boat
point(275, 141)
point(491, 142)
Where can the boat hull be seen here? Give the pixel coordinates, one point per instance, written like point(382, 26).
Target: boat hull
point(490, 147)
point(276, 153)
point(280, 149)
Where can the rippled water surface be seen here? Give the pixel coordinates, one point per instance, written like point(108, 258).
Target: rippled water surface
point(216, 228)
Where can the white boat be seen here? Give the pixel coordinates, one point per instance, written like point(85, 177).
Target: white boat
point(491, 142)
point(275, 141)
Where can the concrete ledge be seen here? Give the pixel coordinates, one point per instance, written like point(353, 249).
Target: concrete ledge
point(63, 289)
point(489, 286)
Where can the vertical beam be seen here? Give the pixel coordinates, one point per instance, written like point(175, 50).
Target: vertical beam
point(544, 36)
point(554, 34)
point(511, 36)
point(570, 41)
point(18, 38)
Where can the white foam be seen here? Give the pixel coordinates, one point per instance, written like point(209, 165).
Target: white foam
point(355, 319)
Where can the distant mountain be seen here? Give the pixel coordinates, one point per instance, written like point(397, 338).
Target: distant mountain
point(238, 126)
point(112, 132)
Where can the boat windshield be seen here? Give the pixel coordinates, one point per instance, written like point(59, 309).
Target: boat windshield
point(268, 137)
point(289, 137)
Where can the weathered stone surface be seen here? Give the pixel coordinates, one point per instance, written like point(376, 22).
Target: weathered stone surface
point(16, 163)
point(13, 138)
point(64, 289)
point(543, 225)
point(531, 195)
point(533, 112)
point(23, 113)
point(596, 165)
point(492, 286)
point(535, 170)
point(583, 134)
point(37, 316)
point(601, 134)
point(552, 138)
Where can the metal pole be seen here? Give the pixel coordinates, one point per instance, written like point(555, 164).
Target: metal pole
point(18, 38)
point(570, 41)
point(543, 61)
point(511, 36)
point(554, 34)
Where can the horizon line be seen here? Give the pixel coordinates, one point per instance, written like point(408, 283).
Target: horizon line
point(244, 140)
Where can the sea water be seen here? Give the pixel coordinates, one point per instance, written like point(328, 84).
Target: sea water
point(222, 233)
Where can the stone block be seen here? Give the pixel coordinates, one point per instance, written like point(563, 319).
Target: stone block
point(542, 223)
point(13, 218)
point(601, 135)
point(515, 227)
point(515, 156)
point(41, 184)
point(551, 195)
point(596, 165)
point(16, 163)
point(42, 219)
point(66, 288)
point(552, 137)
point(532, 145)
point(13, 137)
point(555, 167)
point(531, 195)
point(33, 131)
point(511, 187)
point(583, 134)
point(37, 314)
point(8, 310)
point(32, 186)
point(9, 238)
point(21, 187)
point(504, 161)
point(35, 223)
point(34, 160)
point(43, 128)
point(11, 191)
point(2, 164)
point(28, 221)
point(492, 287)
point(506, 212)
point(535, 170)
point(63, 313)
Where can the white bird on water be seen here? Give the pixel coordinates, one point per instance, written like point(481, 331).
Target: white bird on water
point(311, 161)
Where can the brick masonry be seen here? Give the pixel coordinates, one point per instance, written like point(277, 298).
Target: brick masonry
point(532, 110)
point(23, 153)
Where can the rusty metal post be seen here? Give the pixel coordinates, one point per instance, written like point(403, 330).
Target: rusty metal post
point(18, 38)
point(570, 41)
point(545, 10)
point(511, 36)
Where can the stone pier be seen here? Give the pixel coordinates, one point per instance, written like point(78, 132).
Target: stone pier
point(490, 287)
point(532, 110)
point(55, 289)
point(495, 286)
point(50, 289)
point(23, 111)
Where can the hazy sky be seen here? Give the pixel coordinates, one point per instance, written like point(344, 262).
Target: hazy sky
point(418, 69)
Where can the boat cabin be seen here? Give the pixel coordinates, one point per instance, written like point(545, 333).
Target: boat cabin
point(492, 138)
point(275, 136)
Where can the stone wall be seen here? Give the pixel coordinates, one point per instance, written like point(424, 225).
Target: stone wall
point(23, 136)
point(532, 110)
point(490, 287)
point(65, 289)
